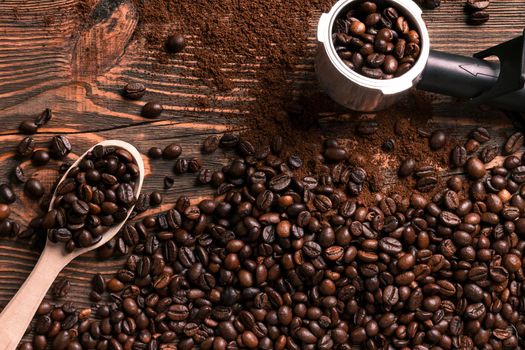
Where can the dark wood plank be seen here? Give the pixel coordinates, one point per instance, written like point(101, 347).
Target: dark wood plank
point(48, 59)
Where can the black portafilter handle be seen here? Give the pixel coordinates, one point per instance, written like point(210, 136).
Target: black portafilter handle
point(498, 84)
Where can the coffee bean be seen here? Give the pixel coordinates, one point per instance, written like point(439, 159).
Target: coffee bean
point(406, 168)
point(33, 188)
point(437, 140)
point(335, 154)
point(175, 43)
point(44, 117)
point(152, 110)
point(481, 135)
point(155, 152)
point(60, 147)
point(458, 156)
point(25, 147)
point(488, 153)
point(134, 91)
point(61, 288)
point(28, 127)
point(210, 144)
point(390, 245)
point(478, 17)
point(513, 143)
point(475, 168)
point(7, 195)
point(477, 5)
point(426, 184)
point(40, 157)
point(172, 151)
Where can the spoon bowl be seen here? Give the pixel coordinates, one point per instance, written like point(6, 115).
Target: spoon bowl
point(17, 315)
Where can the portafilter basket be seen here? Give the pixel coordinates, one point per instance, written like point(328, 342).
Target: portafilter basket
point(499, 84)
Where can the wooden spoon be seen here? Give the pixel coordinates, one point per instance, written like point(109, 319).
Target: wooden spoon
point(17, 315)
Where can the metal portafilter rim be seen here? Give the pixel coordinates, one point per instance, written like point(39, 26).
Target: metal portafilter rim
point(387, 86)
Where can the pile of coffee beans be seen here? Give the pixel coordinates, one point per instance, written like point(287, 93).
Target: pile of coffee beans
point(476, 10)
point(376, 41)
point(280, 260)
point(95, 194)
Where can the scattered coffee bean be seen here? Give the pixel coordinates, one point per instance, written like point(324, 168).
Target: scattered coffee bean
point(152, 110)
point(5, 211)
point(514, 143)
point(33, 188)
point(44, 117)
point(172, 151)
point(437, 140)
point(477, 5)
point(407, 167)
point(210, 144)
point(168, 182)
point(175, 43)
point(7, 195)
point(60, 147)
point(475, 168)
point(61, 288)
point(25, 147)
point(155, 153)
point(28, 127)
point(134, 91)
point(40, 157)
point(478, 17)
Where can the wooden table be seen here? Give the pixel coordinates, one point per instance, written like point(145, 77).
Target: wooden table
point(42, 64)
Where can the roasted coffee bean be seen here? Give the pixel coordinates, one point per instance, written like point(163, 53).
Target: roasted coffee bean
point(152, 110)
point(33, 188)
point(478, 17)
point(513, 143)
point(44, 117)
point(19, 174)
point(60, 147)
point(168, 182)
point(172, 151)
point(175, 43)
point(458, 156)
point(407, 167)
point(40, 157)
point(477, 5)
point(426, 183)
point(134, 91)
point(181, 166)
point(28, 127)
point(210, 144)
point(7, 195)
point(488, 153)
point(25, 147)
point(61, 288)
point(475, 168)
point(155, 152)
point(437, 139)
point(229, 140)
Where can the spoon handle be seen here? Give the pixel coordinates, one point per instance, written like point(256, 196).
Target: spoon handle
point(17, 315)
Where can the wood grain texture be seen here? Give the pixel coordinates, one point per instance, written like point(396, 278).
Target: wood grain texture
point(49, 58)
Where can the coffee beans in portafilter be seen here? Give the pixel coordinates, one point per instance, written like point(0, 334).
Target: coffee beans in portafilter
point(96, 194)
point(286, 261)
point(376, 40)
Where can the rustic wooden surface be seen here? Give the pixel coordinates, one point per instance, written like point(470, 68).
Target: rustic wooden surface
point(48, 59)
